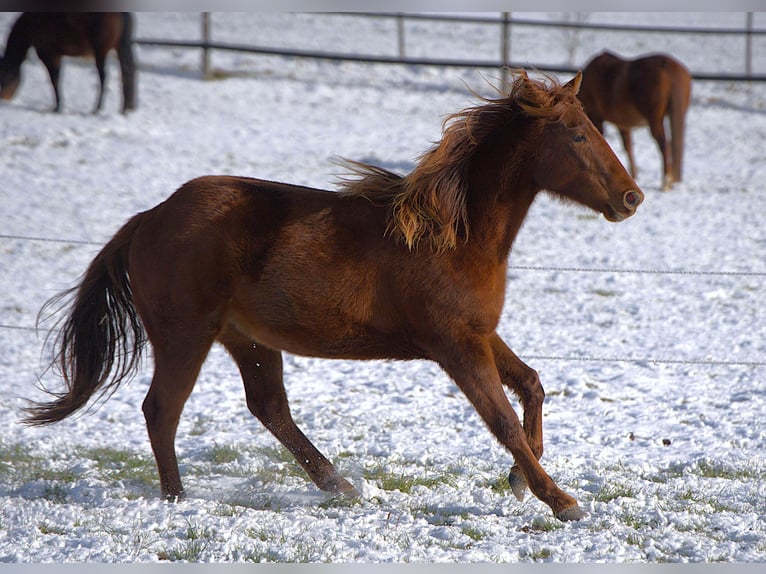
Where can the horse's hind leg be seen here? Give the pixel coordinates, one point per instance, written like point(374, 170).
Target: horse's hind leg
point(175, 373)
point(657, 127)
point(261, 370)
point(53, 65)
point(525, 383)
point(101, 69)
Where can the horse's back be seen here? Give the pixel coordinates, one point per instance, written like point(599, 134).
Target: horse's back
point(283, 262)
point(72, 34)
point(627, 92)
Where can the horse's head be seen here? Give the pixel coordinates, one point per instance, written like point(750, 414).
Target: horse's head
point(572, 159)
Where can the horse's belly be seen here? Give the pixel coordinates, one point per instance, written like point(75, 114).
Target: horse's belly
point(324, 335)
point(628, 118)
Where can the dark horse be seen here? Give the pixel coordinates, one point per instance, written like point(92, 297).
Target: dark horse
point(390, 267)
point(632, 93)
point(54, 35)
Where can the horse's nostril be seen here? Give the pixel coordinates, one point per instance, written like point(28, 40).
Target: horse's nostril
point(632, 199)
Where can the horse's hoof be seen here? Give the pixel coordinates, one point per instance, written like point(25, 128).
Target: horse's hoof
point(571, 513)
point(174, 497)
point(345, 489)
point(518, 484)
point(350, 493)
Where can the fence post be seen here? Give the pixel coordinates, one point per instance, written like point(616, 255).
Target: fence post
point(505, 49)
point(206, 45)
point(749, 44)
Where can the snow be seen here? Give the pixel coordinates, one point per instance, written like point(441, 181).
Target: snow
point(655, 382)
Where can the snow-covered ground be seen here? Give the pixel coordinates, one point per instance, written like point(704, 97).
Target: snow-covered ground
point(655, 382)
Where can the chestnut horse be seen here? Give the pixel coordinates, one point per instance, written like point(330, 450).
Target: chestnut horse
point(389, 267)
point(630, 93)
point(54, 35)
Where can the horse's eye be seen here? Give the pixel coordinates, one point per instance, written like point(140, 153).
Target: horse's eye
point(579, 138)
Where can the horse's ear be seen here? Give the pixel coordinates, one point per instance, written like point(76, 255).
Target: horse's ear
point(574, 83)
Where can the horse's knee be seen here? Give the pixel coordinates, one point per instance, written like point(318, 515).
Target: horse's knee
point(531, 393)
point(150, 410)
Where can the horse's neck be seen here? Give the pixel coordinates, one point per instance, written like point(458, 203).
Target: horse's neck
point(500, 199)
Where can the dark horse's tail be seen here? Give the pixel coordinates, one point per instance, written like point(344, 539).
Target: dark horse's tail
point(100, 342)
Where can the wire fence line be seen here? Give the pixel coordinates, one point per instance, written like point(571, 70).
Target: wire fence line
point(534, 268)
point(542, 268)
point(566, 358)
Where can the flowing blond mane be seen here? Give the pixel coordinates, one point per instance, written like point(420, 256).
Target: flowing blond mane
point(430, 202)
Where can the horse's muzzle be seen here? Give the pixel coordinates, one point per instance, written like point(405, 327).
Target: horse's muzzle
point(631, 199)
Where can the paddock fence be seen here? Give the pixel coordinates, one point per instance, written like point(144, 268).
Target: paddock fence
point(748, 35)
point(505, 23)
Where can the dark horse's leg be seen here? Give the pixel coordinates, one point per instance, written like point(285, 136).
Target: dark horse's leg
point(127, 64)
point(471, 364)
point(525, 383)
point(53, 65)
point(261, 370)
point(100, 56)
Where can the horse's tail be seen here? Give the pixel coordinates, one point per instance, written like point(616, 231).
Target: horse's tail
point(100, 342)
point(127, 63)
point(679, 102)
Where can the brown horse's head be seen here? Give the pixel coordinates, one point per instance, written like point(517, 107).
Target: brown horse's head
point(572, 159)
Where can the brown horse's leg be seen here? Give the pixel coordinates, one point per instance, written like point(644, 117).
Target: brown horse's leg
point(627, 143)
point(472, 367)
point(261, 370)
point(525, 382)
point(175, 372)
point(657, 127)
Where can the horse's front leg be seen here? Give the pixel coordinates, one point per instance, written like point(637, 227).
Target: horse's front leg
point(470, 362)
point(525, 383)
point(53, 65)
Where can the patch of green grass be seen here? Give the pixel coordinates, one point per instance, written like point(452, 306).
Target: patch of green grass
point(541, 554)
point(610, 492)
point(121, 464)
point(709, 469)
point(391, 480)
point(704, 504)
point(222, 454)
point(191, 548)
point(55, 493)
point(500, 485)
point(472, 532)
point(48, 528)
point(635, 521)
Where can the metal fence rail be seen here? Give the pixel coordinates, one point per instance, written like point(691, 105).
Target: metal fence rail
point(504, 24)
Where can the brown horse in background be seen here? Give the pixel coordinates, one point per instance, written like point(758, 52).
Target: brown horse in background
point(632, 93)
point(390, 267)
point(56, 34)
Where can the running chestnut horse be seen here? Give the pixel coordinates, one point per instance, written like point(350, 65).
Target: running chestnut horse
point(389, 267)
point(55, 34)
point(631, 93)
